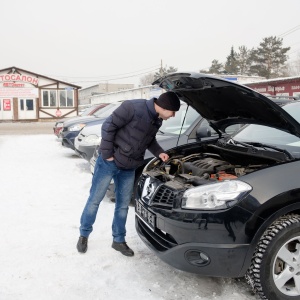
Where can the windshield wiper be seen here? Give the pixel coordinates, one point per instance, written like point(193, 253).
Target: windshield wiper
point(287, 153)
point(161, 131)
point(254, 145)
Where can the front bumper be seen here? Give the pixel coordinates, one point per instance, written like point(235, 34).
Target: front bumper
point(68, 139)
point(207, 259)
point(86, 152)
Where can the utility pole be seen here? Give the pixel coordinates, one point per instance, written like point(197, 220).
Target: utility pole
point(161, 68)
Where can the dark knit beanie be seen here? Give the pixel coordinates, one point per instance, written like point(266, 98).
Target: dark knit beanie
point(169, 101)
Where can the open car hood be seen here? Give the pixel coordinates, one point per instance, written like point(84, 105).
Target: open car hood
point(224, 103)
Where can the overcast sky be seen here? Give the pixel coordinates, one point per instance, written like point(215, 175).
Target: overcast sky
point(92, 41)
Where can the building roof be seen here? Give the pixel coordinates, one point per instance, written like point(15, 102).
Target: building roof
point(39, 75)
point(275, 80)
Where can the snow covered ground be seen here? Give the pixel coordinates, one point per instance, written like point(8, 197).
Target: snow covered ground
point(44, 188)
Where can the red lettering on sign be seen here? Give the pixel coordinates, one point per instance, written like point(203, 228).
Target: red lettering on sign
point(6, 104)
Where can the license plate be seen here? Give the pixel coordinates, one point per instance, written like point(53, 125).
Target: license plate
point(145, 215)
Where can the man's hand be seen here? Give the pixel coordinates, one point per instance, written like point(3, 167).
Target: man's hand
point(110, 159)
point(164, 156)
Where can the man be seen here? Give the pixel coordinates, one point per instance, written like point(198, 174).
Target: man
point(126, 135)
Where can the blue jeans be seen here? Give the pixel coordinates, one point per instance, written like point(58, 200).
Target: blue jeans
point(124, 179)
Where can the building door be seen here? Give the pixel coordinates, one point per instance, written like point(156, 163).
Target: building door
point(27, 109)
point(6, 109)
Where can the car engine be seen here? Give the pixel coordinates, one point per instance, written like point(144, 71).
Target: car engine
point(194, 166)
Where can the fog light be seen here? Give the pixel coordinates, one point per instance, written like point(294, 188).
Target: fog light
point(197, 258)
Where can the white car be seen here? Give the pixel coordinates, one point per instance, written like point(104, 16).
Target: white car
point(87, 140)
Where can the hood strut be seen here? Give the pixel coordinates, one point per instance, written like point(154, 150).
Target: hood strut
point(182, 126)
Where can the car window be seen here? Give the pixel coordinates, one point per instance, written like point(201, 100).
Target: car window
point(107, 110)
point(88, 110)
point(183, 118)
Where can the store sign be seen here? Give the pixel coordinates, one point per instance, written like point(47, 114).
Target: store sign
point(19, 92)
point(6, 104)
point(13, 84)
point(19, 77)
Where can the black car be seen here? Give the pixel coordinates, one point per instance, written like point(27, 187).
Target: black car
point(230, 206)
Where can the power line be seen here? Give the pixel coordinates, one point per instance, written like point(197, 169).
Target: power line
point(290, 31)
point(109, 76)
point(111, 79)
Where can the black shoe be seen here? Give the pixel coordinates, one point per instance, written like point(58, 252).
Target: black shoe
point(123, 248)
point(82, 244)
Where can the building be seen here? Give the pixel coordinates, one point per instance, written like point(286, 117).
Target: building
point(26, 95)
point(145, 92)
point(85, 94)
point(241, 79)
point(289, 86)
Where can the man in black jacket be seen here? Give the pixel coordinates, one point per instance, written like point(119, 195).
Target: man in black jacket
point(126, 135)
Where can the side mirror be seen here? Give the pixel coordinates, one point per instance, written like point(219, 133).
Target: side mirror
point(203, 132)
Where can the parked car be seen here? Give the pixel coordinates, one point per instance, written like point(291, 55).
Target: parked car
point(228, 207)
point(88, 139)
point(87, 112)
point(90, 136)
point(72, 128)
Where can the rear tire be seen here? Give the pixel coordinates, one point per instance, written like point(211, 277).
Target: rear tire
point(274, 272)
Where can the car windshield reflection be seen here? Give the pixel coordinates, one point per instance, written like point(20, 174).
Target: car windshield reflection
point(268, 135)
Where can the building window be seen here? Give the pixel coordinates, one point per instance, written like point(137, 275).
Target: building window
point(52, 98)
point(66, 98)
point(70, 98)
point(28, 104)
point(58, 98)
point(45, 96)
point(49, 98)
point(62, 98)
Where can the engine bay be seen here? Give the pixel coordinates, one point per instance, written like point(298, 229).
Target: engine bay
point(203, 167)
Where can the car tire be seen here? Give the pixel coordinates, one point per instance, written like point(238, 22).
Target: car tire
point(276, 261)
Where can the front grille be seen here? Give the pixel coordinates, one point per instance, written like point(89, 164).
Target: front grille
point(164, 196)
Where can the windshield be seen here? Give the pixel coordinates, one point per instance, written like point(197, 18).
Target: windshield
point(271, 136)
point(107, 110)
point(88, 110)
point(173, 125)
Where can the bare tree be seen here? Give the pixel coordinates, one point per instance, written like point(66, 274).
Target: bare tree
point(164, 71)
point(293, 66)
point(147, 79)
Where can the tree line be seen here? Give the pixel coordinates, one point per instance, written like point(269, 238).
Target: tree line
point(268, 60)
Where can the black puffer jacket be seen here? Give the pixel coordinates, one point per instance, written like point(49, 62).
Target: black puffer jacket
point(129, 132)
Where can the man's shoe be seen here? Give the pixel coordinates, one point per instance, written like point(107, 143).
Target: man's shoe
point(82, 244)
point(123, 248)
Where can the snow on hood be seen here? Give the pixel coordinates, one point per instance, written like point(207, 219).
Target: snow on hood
point(224, 103)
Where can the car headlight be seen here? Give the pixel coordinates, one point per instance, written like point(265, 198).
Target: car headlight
point(93, 139)
point(76, 127)
point(219, 195)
